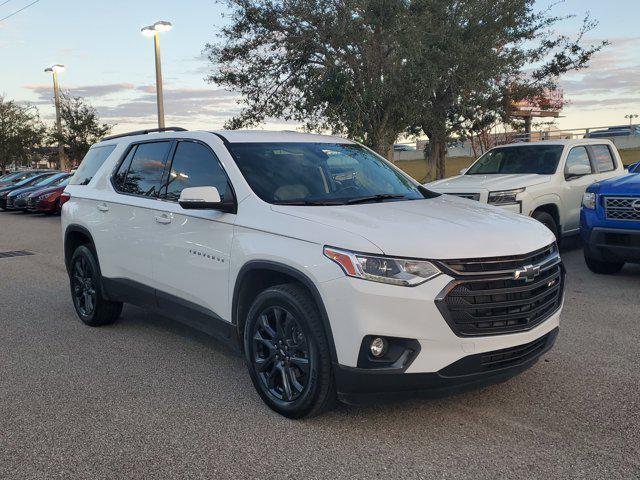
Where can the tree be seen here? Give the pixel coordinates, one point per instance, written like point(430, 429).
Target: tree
point(487, 54)
point(81, 127)
point(332, 65)
point(21, 132)
point(373, 69)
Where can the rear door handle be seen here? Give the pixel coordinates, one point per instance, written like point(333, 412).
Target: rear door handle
point(103, 207)
point(164, 218)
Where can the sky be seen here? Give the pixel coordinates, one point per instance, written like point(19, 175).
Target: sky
point(110, 63)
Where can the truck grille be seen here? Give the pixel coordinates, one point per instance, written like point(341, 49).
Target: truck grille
point(622, 208)
point(470, 196)
point(486, 298)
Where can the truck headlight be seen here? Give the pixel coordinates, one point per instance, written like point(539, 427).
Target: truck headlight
point(504, 197)
point(394, 271)
point(589, 200)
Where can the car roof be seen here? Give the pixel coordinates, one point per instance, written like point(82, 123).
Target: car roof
point(234, 136)
point(569, 141)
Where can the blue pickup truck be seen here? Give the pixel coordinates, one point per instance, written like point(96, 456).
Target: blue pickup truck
point(610, 222)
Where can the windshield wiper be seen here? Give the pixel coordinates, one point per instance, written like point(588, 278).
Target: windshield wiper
point(308, 202)
point(374, 198)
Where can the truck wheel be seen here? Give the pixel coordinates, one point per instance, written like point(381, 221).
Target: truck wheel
point(287, 352)
point(547, 220)
point(602, 268)
point(86, 290)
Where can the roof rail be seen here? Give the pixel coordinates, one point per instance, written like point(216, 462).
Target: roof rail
point(144, 132)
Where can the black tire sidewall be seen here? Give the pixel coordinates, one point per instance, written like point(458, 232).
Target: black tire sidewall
point(548, 221)
point(83, 251)
point(306, 402)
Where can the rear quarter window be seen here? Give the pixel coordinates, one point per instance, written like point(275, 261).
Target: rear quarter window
point(90, 164)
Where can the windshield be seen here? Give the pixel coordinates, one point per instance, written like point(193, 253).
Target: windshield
point(540, 159)
point(50, 180)
point(321, 174)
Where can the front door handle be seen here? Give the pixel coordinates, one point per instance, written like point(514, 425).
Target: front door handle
point(103, 207)
point(164, 218)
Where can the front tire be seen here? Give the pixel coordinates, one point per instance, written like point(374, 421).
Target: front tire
point(548, 221)
point(287, 352)
point(601, 267)
point(86, 290)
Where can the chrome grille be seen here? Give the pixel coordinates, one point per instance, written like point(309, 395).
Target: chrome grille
point(488, 298)
point(622, 208)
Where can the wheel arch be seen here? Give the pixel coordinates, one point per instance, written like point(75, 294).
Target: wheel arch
point(74, 236)
point(552, 209)
point(256, 275)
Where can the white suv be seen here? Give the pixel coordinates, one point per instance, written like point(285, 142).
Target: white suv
point(334, 273)
point(544, 180)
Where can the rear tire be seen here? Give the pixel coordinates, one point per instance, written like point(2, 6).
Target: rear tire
point(548, 221)
point(602, 268)
point(87, 292)
point(287, 353)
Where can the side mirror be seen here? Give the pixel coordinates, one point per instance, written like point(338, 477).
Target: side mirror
point(578, 170)
point(200, 198)
point(463, 171)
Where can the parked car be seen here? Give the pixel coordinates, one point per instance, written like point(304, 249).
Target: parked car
point(403, 147)
point(47, 200)
point(619, 131)
point(353, 286)
point(544, 180)
point(610, 223)
point(27, 182)
point(16, 177)
point(17, 200)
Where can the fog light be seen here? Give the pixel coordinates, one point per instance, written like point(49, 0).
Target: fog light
point(378, 346)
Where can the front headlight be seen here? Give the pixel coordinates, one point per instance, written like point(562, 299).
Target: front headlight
point(504, 197)
point(589, 200)
point(394, 271)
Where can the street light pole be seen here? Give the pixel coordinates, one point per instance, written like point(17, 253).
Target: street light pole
point(154, 31)
point(56, 95)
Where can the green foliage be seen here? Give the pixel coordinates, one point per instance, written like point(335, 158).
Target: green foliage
point(81, 127)
point(373, 69)
point(21, 131)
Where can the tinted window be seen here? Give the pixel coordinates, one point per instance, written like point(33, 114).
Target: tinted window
point(121, 174)
point(603, 158)
point(577, 156)
point(540, 159)
point(52, 180)
point(320, 173)
point(91, 162)
point(194, 165)
point(144, 175)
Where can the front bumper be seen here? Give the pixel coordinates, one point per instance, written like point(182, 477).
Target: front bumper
point(612, 244)
point(363, 386)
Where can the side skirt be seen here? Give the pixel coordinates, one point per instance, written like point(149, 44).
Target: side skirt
point(165, 304)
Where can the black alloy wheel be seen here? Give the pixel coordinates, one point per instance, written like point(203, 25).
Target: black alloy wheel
point(281, 354)
point(86, 290)
point(287, 352)
point(83, 281)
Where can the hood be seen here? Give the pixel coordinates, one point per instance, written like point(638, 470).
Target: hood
point(438, 228)
point(475, 183)
point(20, 191)
point(46, 190)
point(628, 184)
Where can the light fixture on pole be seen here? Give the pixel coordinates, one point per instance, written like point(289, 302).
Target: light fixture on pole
point(54, 69)
point(154, 31)
point(631, 116)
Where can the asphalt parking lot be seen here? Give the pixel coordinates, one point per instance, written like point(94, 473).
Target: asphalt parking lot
point(149, 398)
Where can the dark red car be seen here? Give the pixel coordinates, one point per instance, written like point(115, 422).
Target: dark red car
point(47, 200)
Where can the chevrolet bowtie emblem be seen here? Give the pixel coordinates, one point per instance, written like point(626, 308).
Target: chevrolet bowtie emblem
point(528, 273)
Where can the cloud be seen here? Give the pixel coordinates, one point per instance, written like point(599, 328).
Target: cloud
point(605, 102)
point(90, 91)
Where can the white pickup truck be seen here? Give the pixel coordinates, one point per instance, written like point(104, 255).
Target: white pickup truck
point(544, 180)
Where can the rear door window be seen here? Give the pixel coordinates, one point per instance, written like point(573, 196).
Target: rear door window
point(91, 163)
point(144, 169)
point(603, 158)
